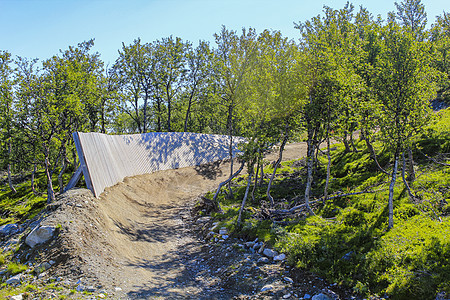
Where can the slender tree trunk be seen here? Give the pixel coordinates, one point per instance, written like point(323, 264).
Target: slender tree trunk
point(412, 173)
point(277, 163)
point(11, 186)
point(226, 181)
point(63, 169)
point(188, 111)
point(405, 181)
point(50, 191)
point(327, 181)
point(355, 150)
point(103, 117)
point(391, 192)
point(344, 140)
point(309, 165)
point(169, 109)
point(249, 182)
point(33, 174)
point(230, 147)
point(256, 179)
point(261, 178)
point(373, 155)
point(144, 125)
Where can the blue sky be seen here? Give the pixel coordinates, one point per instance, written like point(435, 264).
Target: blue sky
point(39, 28)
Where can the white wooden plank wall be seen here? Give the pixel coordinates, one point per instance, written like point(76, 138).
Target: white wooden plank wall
point(111, 158)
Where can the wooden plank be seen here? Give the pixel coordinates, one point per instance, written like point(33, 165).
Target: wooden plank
point(74, 180)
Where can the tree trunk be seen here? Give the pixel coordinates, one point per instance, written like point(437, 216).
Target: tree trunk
point(169, 109)
point(50, 191)
point(144, 111)
point(226, 181)
point(261, 178)
point(33, 174)
point(256, 179)
point(405, 181)
point(344, 140)
point(63, 169)
point(309, 165)
point(412, 173)
point(280, 157)
point(11, 186)
point(249, 182)
point(391, 192)
point(327, 181)
point(188, 111)
point(230, 147)
point(355, 150)
point(373, 155)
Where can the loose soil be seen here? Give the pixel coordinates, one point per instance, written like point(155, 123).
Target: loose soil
point(138, 240)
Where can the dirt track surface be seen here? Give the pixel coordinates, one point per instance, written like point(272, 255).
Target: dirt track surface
point(135, 243)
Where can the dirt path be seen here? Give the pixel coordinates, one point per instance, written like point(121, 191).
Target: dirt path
point(154, 254)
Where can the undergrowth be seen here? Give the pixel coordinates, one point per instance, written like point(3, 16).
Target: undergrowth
point(347, 241)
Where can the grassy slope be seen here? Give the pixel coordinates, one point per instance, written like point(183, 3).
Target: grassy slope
point(347, 241)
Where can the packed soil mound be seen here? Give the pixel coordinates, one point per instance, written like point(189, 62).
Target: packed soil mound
point(138, 240)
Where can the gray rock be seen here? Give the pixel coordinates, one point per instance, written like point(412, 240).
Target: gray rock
point(442, 296)
point(80, 288)
point(250, 244)
point(321, 296)
point(225, 236)
point(270, 253)
point(203, 219)
point(330, 294)
point(14, 280)
point(287, 296)
point(17, 297)
point(42, 267)
point(288, 279)
point(263, 260)
point(267, 287)
point(8, 229)
point(307, 296)
point(40, 235)
point(280, 257)
point(261, 249)
point(223, 230)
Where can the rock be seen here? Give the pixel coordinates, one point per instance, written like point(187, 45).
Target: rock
point(261, 249)
point(203, 219)
point(17, 297)
point(14, 280)
point(250, 244)
point(263, 260)
point(269, 253)
point(8, 229)
point(307, 296)
point(90, 289)
point(223, 230)
point(288, 279)
point(442, 296)
point(101, 296)
point(321, 296)
point(225, 236)
point(40, 235)
point(118, 289)
point(267, 287)
point(287, 296)
point(257, 246)
point(42, 267)
point(330, 294)
point(80, 288)
point(280, 257)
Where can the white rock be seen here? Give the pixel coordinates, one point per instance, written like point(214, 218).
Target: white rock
point(288, 279)
point(40, 235)
point(287, 296)
point(118, 289)
point(280, 257)
point(17, 297)
point(101, 296)
point(15, 279)
point(267, 288)
point(269, 253)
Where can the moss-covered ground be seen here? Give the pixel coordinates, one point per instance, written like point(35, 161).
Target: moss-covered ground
point(347, 240)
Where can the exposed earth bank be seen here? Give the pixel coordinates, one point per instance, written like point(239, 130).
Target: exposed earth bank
point(139, 240)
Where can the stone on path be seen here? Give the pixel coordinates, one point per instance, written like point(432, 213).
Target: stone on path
point(270, 253)
point(40, 235)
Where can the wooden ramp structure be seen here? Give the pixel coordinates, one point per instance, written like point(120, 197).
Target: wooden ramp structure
point(107, 159)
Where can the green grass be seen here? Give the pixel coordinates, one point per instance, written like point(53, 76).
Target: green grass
point(347, 241)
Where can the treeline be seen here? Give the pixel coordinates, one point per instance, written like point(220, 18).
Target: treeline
point(350, 71)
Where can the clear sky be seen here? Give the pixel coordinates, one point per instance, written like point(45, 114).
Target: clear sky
point(40, 28)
